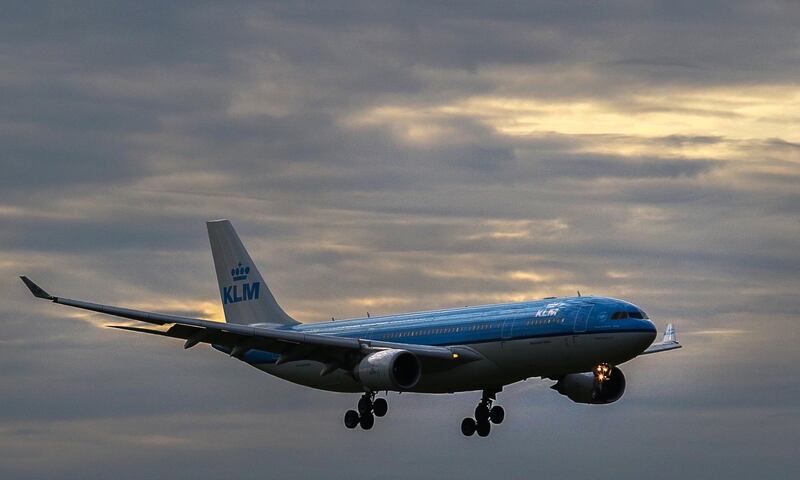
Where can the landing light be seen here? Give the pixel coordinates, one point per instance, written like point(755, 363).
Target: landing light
point(602, 372)
point(455, 356)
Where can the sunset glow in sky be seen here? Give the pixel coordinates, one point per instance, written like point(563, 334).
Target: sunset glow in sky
point(389, 157)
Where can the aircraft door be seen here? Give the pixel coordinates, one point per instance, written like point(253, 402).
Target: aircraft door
point(582, 318)
point(508, 325)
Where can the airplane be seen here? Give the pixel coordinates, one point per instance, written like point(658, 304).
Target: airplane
point(577, 342)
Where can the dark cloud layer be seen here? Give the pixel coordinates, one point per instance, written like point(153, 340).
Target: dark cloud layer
point(384, 157)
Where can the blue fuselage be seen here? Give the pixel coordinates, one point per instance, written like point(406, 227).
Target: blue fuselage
point(540, 319)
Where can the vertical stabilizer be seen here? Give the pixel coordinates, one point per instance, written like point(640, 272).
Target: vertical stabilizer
point(246, 298)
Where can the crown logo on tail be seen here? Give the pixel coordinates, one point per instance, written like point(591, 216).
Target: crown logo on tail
point(240, 272)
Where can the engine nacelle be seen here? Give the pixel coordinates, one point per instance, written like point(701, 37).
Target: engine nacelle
point(586, 388)
point(391, 369)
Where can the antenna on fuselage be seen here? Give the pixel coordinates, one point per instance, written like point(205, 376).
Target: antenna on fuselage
point(579, 293)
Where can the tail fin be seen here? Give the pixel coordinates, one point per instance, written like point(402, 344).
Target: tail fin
point(246, 298)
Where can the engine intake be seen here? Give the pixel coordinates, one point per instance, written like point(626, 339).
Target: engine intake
point(391, 369)
point(587, 388)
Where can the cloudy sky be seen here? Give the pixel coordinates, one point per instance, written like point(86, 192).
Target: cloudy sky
point(388, 157)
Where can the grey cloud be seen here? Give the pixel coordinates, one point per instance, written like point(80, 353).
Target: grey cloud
point(615, 168)
point(124, 126)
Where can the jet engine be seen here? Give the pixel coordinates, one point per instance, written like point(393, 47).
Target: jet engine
point(391, 369)
point(595, 389)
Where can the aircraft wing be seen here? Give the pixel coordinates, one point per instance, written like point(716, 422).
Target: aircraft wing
point(291, 345)
point(668, 343)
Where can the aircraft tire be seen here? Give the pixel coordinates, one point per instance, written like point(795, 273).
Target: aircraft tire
point(497, 414)
point(484, 428)
point(351, 419)
point(468, 426)
point(481, 413)
point(380, 406)
point(364, 405)
point(367, 421)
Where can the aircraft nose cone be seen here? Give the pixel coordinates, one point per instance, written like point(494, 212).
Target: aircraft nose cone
point(650, 331)
point(651, 328)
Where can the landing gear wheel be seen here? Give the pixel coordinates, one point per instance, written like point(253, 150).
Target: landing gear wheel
point(497, 414)
point(485, 414)
point(351, 419)
point(483, 428)
point(380, 407)
point(468, 426)
point(364, 405)
point(481, 413)
point(367, 421)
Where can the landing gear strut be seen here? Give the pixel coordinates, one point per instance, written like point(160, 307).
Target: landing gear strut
point(485, 415)
point(369, 407)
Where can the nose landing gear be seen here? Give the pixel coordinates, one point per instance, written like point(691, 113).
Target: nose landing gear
point(485, 415)
point(369, 407)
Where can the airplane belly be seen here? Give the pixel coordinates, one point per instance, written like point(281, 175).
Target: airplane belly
point(462, 378)
point(306, 372)
point(504, 363)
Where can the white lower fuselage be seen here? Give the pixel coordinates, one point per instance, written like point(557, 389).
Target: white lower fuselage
point(578, 337)
point(504, 362)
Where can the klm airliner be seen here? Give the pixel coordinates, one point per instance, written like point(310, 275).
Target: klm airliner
point(577, 342)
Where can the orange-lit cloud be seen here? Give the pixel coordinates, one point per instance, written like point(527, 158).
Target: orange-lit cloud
point(623, 125)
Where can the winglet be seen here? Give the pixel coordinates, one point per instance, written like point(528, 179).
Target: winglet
point(669, 334)
point(36, 290)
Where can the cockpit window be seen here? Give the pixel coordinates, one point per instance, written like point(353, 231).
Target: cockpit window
point(639, 314)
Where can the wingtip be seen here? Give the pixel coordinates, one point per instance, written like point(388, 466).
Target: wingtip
point(36, 290)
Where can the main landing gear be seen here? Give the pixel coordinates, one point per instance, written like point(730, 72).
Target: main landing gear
point(485, 415)
point(369, 407)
